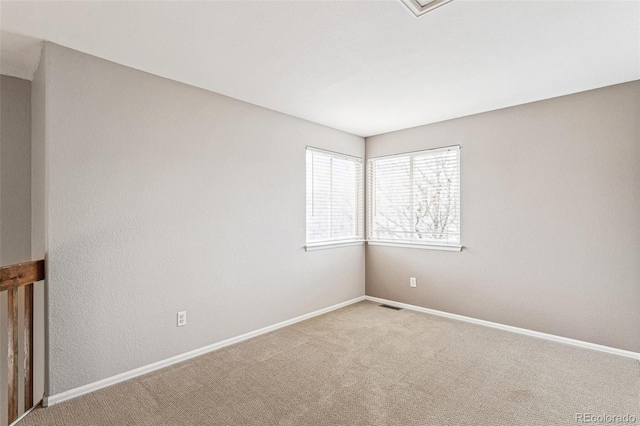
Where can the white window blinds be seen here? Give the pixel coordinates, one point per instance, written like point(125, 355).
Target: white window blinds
point(335, 209)
point(415, 197)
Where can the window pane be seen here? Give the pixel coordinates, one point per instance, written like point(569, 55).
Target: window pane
point(318, 196)
point(436, 197)
point(344, 197)
point(416, 197)
point(392, 194)
point(334, 197)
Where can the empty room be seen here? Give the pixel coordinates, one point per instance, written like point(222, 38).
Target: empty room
point(317, 212)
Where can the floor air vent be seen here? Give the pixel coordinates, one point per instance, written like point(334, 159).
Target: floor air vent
point(391, 307)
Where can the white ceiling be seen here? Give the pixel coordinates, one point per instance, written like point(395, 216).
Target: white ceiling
point(365, 67)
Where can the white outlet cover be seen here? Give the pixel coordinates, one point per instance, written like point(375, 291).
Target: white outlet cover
point(412, 282)
point(182, 318)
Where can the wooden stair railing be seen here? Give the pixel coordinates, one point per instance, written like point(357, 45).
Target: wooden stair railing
point(11, 279)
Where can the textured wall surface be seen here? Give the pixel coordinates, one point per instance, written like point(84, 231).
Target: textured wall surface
point(15, 170)
point(163, 197)
point(15, 216)
point(550, 224)
point(39, 219)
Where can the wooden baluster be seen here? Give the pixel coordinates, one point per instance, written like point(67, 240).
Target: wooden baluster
point(12, 359)
point(11, 278)
point(28, 346)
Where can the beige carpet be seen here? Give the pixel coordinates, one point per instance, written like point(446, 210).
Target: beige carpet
point(368, 365)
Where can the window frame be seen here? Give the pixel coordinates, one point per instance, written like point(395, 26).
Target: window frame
point(360, 208)
point(411, 243)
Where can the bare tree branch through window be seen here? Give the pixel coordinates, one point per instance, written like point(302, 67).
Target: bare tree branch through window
point(416, 197)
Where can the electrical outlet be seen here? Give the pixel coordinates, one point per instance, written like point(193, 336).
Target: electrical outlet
point(412, 282)
point(182, 318)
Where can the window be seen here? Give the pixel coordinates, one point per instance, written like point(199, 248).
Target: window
point(414, 199)
point(335, 212)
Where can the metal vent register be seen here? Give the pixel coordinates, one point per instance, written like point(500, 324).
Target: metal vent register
point(391, 307)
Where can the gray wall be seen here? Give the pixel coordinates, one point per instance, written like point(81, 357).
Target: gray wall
point(38, 221)
point(550, 224)
point(15, 216)
point(15, 170)
point(162, 197)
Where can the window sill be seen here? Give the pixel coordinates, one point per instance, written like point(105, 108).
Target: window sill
point(423, 246)
point(332, 244)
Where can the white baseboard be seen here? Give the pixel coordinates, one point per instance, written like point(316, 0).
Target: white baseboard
point(526, 332)
point(91, 387)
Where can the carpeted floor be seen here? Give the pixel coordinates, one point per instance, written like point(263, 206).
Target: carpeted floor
point(368, 365)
